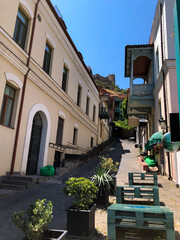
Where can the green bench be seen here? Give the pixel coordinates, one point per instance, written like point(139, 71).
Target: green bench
point(135, 193)
point(142, 178)
point(140, 217)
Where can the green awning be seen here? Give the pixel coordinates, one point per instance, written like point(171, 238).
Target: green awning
point(155, 138)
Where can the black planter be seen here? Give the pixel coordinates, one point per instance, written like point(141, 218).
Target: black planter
point(102, 198)
point(81, 223)
point(54, 234)
point(113, 186)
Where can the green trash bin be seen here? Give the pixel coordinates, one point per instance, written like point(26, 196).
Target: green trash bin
point(47, 171)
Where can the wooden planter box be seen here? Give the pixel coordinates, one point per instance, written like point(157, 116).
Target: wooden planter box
point(143, 164)
point(81, 223)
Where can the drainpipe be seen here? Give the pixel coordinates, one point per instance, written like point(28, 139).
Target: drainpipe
point(164, 86)
point(23, 91)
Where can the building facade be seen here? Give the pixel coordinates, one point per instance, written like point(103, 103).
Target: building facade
point(155, 97)
point(49, 101)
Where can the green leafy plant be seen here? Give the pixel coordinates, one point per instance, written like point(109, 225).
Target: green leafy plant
point(103, 180)
point(83, 190)
point(122, 124)
point(35, 220)
point(108, 165)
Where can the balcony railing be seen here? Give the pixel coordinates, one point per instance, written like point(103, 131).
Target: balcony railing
point(103, 114)
point(142, 89)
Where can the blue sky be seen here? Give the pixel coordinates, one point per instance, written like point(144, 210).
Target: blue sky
point(101, 29)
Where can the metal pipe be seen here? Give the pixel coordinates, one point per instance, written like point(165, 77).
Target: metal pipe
point(23, 92)
point(164, 85)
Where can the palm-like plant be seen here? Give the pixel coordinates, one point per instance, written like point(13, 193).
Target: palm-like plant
point(103, 180)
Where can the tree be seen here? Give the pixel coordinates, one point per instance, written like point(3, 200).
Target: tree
point(124, 108)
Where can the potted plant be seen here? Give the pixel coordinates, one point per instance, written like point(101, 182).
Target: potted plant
point(35, 220)
point(104, 182)
point(81, 215)
point(109, 166)
point(157, 147)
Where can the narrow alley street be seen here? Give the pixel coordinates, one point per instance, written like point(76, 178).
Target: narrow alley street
point(120, 150)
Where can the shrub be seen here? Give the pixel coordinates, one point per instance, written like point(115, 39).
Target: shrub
point(35, 220)
point(83, 190)
point(122, 124)
point(108, 165)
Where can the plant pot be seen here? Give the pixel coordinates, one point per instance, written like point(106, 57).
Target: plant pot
point(81, 223)
point(113, 186)
point(102, 198)
point(53, 234)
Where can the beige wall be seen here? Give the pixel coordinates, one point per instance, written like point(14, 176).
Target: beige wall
point(42, 89)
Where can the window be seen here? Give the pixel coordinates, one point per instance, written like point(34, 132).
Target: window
point(79, 95)
point(75, 136)
point(60, 131)
point(94, 113)
point(64, 80)
point(7, 106)
point(20, 30)
point(157, 62)
point(116, 103)
point(47, 58)
point(101, 130)
point(87, 106)
point(92, 139)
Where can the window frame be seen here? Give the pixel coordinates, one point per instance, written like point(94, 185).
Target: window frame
point(79, 95)
point(47, 54)
point(18, 28)
point(4, 106)
point(75, 136)
point(92, 141)
point(94, 113)
point(87, 105)
point(60, 128)
point(64, 85)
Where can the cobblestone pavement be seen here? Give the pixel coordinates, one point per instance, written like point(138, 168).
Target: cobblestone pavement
point(122, 151)
point(168, 193)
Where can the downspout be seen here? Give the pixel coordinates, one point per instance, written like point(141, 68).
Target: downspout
point(23, 91)
point(164, 86)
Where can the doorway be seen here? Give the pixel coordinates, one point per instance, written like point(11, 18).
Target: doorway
point(35, 142)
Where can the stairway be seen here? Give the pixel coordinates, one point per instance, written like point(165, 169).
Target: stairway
point(19, 182)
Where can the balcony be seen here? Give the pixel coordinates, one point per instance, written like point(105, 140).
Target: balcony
point(142, 89)
point(103, 114)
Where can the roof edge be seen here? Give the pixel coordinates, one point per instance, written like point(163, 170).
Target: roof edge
point(63, 26)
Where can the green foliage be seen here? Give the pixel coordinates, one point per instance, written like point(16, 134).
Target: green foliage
point(35, 220)
point(107, 164)
point(124, 108)
point(122, 124)
point(103, 180)
point(124, 91)
point(83, 190)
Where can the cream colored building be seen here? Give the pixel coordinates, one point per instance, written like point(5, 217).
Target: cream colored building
point(49, 102)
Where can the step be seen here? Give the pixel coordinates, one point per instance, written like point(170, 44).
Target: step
point(17, 182)
point(32, 179)
point(11, 186)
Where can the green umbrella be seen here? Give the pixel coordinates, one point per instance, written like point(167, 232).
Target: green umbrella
point(155, 138)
